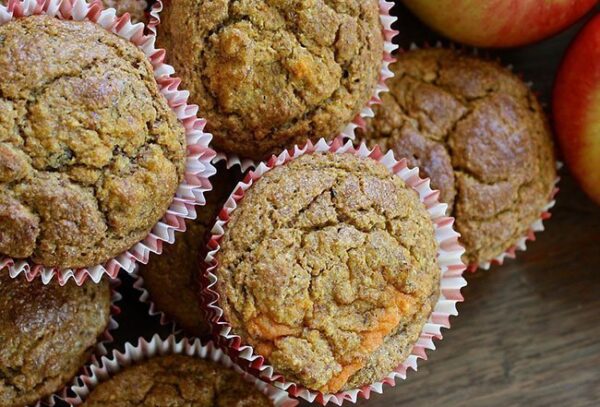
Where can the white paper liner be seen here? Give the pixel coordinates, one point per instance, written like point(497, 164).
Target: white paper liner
point(538, 225)
point(107, 367)
point(449, 257)
point(153, 310)
point(389, 47)
point(154, 15)
point(100, 350)
point(199, 156)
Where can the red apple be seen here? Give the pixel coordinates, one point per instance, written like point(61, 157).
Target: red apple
point(576, 106)
point(499, 23)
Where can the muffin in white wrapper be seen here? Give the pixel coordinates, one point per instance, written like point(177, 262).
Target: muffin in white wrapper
point(449, 254)
point(107, 367)
point(198, 154)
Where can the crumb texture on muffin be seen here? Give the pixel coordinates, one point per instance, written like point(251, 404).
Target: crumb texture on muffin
point(91, 155)
point(268, 74)
point(47, 333)
point(176, 381)
point(171, 278)
point(481, 136)
point(328, 268)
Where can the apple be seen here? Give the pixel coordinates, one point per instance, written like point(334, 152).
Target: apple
point(576, 108)
point(499, 23)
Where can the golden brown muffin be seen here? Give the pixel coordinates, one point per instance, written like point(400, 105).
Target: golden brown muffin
point(176, 381)
point(171, 279)
point(268, 74)
point(480, 134)
point(135, 8)
point(91, 155)
point(328, 268)
point(47, 333)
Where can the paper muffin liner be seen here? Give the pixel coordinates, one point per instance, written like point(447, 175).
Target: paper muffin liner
point(198, 154)
point(153, 309)
point(100, 350)
point(154, 15)
point(147, 12)
point(102, 370)
point(538, 225)
point(449, 258)
point(348, 132)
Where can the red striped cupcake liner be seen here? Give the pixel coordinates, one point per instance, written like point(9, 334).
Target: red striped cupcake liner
point(199, 156)
point(153, 310)
point(449, 258)
point(102, 370)
point(154, 16)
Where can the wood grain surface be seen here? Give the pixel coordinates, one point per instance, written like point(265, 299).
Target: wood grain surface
point(528, 333)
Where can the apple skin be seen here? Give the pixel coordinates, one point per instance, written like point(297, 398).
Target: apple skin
point(576, 108)
point(499, 23)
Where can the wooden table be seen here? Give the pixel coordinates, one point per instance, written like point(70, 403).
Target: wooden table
point(528, 333)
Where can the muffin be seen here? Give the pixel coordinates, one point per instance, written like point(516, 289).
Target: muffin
point(328, 268)
point(47, 333)
point(91, 155)
point(481, 136)
point(171, 279)
point(135, 8)
point(271, 74)
point(176, 381)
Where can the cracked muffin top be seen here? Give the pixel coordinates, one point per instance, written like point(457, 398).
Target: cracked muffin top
point(135, 8)
point(171, 278)
point(176, 381)
point(91, 155)
point(268, 74)
point(481, 136)
point(47, 333)
point(328, 268)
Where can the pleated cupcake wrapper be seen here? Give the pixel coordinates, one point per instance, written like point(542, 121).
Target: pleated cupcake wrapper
point(147, 13)
point(198, 155)
point(153, 309)
point(102, 370)
point(538, 225)
point(449, 258)
point(389, 47)
point(154, 15)
point(105, 339)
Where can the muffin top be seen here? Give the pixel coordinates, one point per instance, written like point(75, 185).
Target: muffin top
point(90, 153)
point(47, 333)
point(481, 136)
point(171, 278)
point(268, 74)
point(135, 8)
point(324, 265)
point(176, 381)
